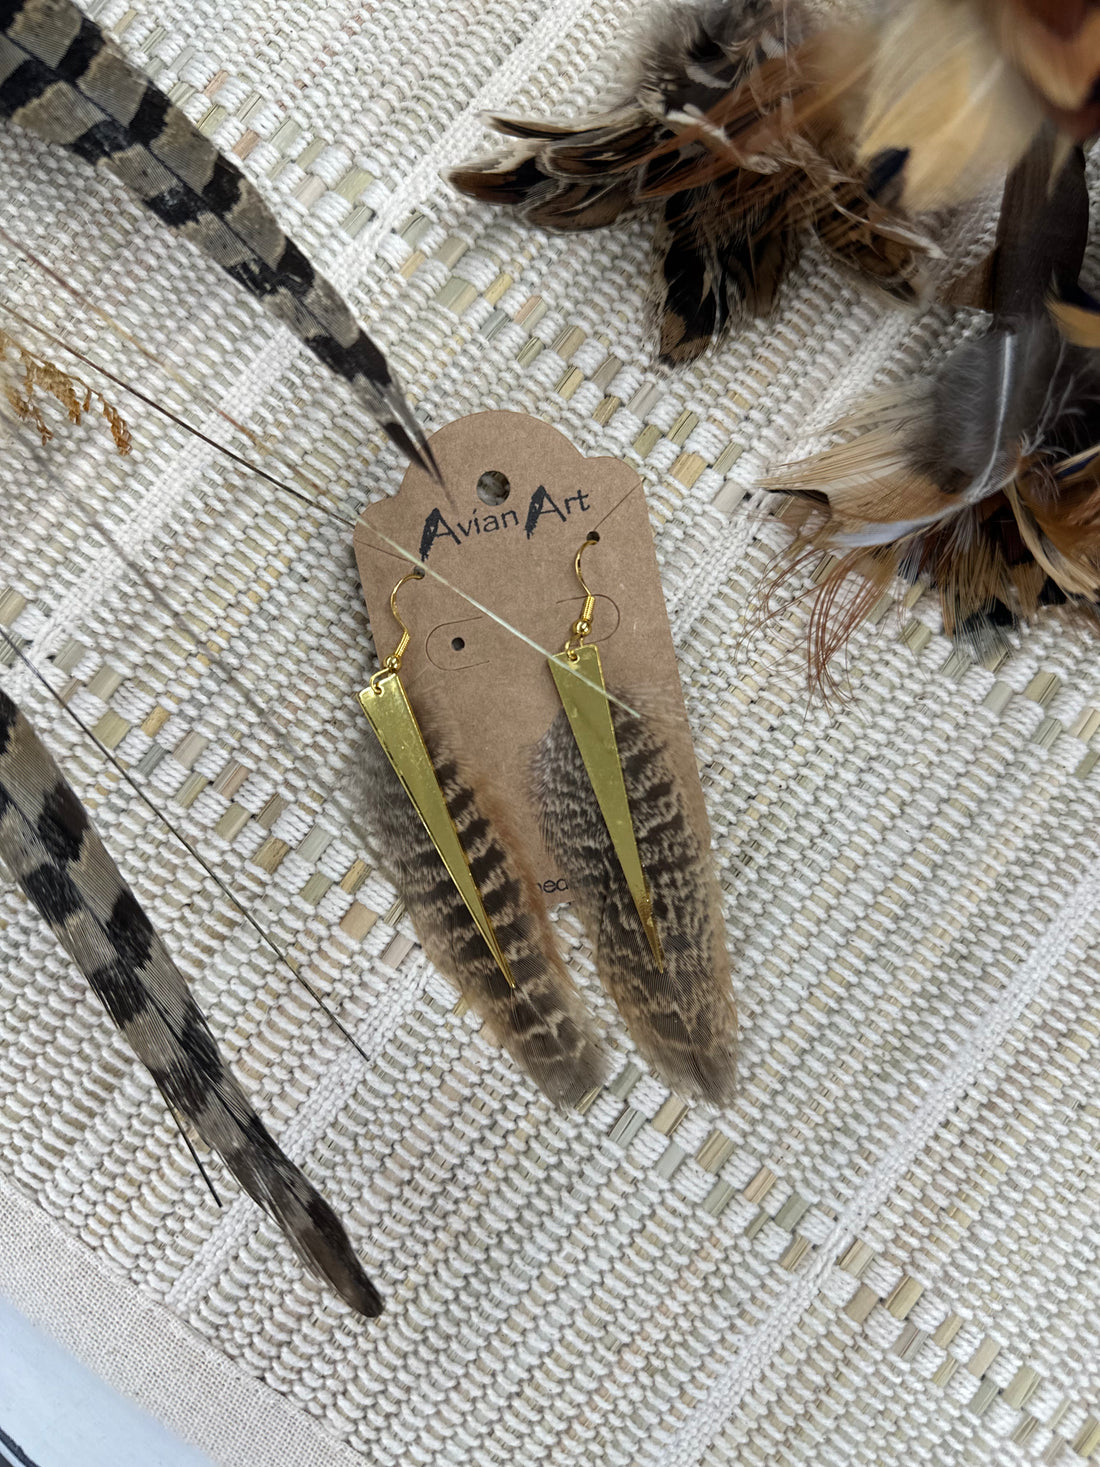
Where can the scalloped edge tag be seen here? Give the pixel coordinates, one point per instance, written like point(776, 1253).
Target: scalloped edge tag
point(473, 683)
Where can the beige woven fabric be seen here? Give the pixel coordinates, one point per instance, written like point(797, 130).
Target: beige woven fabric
point(885, 1252)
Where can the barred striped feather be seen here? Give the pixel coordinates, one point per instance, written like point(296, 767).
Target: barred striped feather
point(542, 1022)
point(683, 1020)
point(63, 80)
point(53, 852)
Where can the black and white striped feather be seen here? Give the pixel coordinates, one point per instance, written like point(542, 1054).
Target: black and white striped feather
point(62, 79)
point(52, 850)
point(683, 1020)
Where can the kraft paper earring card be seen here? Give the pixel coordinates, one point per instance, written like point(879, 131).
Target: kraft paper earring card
point(497, 544)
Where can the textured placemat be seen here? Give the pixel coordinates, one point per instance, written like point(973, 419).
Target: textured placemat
point(884, 1253)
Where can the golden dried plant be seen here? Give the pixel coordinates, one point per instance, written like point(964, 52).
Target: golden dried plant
point(23, 376)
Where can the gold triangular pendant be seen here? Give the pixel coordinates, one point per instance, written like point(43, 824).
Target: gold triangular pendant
point(578, 675)
point(393, 720)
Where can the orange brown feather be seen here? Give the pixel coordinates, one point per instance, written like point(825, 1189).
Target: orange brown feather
point(984, 482)
point(737, 128)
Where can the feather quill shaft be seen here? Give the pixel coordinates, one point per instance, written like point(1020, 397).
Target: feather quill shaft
point(53, 851)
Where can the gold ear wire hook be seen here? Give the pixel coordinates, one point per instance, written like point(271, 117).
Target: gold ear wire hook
point(582, 627)
point(393, 661)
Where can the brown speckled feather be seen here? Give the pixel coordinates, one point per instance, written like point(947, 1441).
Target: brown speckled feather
point(542, 1022)
point(684, 1020)
point(983, 482)
point(705, 133)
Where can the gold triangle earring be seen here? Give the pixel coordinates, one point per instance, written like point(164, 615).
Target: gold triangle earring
point(578, 675)
point(638, 869)
point(390, 713)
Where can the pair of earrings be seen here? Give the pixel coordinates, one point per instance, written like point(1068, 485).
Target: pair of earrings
point(578, 676)
point(614, 818)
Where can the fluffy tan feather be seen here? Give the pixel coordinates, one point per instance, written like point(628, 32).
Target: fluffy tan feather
point(984, 481)
point(941, 88)
point(963, 87)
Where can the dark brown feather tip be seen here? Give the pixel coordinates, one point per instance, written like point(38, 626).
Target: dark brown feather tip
point(55, 853)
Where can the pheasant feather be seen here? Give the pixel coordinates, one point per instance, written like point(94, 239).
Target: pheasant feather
point(65, 82)
point(682, 1018)
point(542, 1021)
point(53, 852)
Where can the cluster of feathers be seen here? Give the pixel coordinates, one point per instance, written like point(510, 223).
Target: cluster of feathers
point(982, 481)
point(62, 79)
point(724, 134)
point(747, 129)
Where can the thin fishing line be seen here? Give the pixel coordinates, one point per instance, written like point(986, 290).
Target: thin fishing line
point(131, 340)
point(301, 756)
point(297, 494)
point(120, 769)
point(180, 422)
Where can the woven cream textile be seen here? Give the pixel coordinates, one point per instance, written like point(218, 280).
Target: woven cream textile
point(886, 1252)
